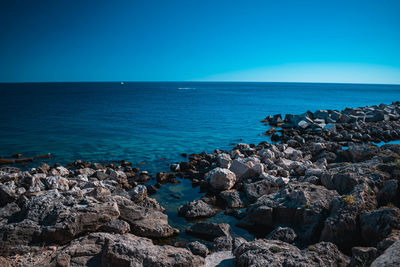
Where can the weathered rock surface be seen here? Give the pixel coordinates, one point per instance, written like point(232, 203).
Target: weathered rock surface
point(221, 179)
point(264, 252)
point(196, 209)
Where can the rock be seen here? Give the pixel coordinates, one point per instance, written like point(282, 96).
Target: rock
point(220, 259)
point(357, 153)
point(342, 225)
point(209, 230)
point(234, 199)
point(196, 209)
point(222, 243)
point(285, 234)
point(103, 249)
point(138, 193)
point(224, 160)
point(116, 226)
point(298, 204)
point(378, 224)
point(388, 192)
point(198, 248)
point(9, 210)
point(241, 169)
point(264, 252)
point(390, 258)
point(57, 182)
point(257, 189)
point(64, 225)
point(221, 179)
point(7, 193)
point(362, 256)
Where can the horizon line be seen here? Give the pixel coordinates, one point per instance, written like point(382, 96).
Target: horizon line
point(192, 81)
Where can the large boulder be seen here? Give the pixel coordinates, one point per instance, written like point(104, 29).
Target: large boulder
point(209, 230)
point(303, 206)
point(106, 250)
point(234, 198)
point(221, 179)
point(342, 225)
point(263, 252)
point(196, 209)
point(377, 224)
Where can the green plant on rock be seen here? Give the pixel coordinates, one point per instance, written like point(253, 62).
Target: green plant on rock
point(350, 199)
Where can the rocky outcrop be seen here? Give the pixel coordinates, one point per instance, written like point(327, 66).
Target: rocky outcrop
point(221, 179)
point(209, 230)
point(304, 206)
point(103, 249)
point(263, 252)
point(196, 209)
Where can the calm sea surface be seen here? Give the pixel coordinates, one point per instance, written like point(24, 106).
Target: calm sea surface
point(156, 122)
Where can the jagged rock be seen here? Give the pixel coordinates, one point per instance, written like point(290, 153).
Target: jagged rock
point(116, 226)
point(224, 160)
point(221, 179)
point(264, 252)
point(341, 227)
point(138, 193)
point(390, 258)
point(196, 209)
point(103, 249)
point(209, 230)
point(378, 224)
point(234, 199)
point(222, 243)
point(303, 205)
point(362, 256)
point(198, 248)
point(285, 234)
point(257, 189)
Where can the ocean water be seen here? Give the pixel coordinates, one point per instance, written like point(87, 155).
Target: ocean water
point(156, 122)
point(153, 123)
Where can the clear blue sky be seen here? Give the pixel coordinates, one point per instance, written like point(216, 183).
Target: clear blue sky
point(316, 41)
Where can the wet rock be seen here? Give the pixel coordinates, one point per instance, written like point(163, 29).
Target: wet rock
point(285, 234)
point(198, 248)
point(196, 209)
point(209, 230)
point(221, 179)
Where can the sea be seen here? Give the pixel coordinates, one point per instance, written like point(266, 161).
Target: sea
point(152, 123)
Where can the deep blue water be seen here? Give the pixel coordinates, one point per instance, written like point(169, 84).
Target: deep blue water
point(156, 122)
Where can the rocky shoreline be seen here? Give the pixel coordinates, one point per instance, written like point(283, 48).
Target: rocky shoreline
point(322, 195)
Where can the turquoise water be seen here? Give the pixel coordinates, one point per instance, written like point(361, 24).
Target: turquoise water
point(156, 122)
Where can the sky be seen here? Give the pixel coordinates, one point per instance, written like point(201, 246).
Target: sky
point(352, 41)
